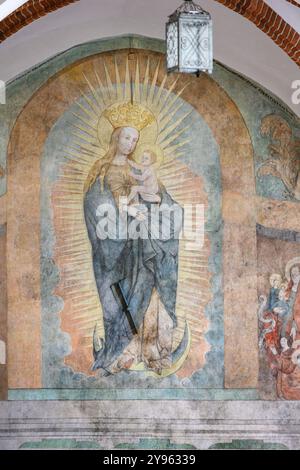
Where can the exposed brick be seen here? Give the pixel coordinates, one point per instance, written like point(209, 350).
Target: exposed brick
point(27, 13)
point(294, 3)
point(270, 22)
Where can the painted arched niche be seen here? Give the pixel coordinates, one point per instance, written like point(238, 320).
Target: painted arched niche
point(53, 306)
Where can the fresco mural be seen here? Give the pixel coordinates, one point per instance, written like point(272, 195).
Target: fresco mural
point(279, 316)
point(153, 207)
point(129, 201)
point(284, 155)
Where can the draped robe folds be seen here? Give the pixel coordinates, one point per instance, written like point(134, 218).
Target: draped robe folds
point(288, 379)
point(138, 266)
point(294, 298)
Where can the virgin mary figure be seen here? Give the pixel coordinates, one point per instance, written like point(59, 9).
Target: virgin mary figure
point(136, 277)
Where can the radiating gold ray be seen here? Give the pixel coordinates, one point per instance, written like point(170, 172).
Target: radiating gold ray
point(127, 91)
point(69, 269)
point(74, 178)
point(74, 242)
point(193, 269)
point(173, 137)
point(72, 188)
point(76, 245)
point(153, 85)
point(172, 159)
point(186, 306)
point(71, 257)
point(83, 294)
point(137, 89)
point(86, 322)
point(110, 89)
point(75, 252)
point(200, 255)
point(78, 254)
point(83, 313)
point(74, 161)
point(76, 234)
point(90, 314)
point(68, 205)
point(83, 137)
point(119, 89)
point(86, 316)
point(69, 260)
point(85, 309)
point(89, 123)
point(167, 105)
point(169, 176)
point(73, 191)
point(168, 117)
point(193, 281)
point(95, 106)
point(75, 152)
point(191, 278)
point(69, 183)
point(62, 196)
point(102, 94)
point(199, 267)
point(76, 167)
point(185, 192)
point(82, 304)
point(70, 290)
point(91, 114)
point(171, 128)
point(156, 101)
point(146, 83)
point(165, 99)
point(83, 324)
point(88, 147)
point(93, 134)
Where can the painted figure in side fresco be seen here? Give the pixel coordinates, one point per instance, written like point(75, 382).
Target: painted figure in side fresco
point(284, 160)
point(279, 319)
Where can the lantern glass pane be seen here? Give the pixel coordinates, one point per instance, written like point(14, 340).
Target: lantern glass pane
point(172, 45)
point(195, 45)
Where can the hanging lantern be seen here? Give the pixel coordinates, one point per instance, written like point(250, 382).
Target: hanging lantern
point(189, 40)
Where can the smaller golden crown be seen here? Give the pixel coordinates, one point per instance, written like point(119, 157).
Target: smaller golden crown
point(129, 115)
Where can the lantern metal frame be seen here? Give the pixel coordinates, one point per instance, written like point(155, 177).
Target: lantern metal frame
point(186, 13)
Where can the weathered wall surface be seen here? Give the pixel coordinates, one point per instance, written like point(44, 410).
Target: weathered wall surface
point(217, 312)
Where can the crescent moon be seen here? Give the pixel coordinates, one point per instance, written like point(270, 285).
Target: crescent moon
point(176, 365)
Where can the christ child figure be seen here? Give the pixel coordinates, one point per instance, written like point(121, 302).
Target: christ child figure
point(149, 187)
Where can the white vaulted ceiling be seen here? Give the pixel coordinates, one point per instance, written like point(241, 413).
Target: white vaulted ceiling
point(237, 42)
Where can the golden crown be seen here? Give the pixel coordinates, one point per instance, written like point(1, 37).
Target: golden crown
point(129, 115)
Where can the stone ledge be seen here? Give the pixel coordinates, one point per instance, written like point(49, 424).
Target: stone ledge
point(200, 424)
